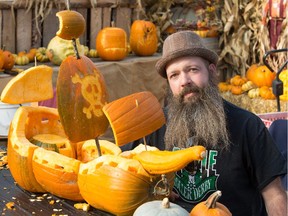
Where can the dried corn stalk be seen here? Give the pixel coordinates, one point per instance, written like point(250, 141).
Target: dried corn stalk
point(244, 40)
point(41, 8)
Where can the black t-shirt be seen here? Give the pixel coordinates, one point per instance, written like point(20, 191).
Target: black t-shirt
point(250, 164)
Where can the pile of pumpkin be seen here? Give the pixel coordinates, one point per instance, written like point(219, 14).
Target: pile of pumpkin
point(111, 45)
point(59, 150)
point(257, 83)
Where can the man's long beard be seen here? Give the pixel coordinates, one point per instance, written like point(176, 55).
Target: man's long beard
point(201, 119)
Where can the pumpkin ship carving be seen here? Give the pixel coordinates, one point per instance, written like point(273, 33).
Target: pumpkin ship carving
point(82, 167)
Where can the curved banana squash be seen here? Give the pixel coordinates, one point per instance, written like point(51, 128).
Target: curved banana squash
point(162, 162)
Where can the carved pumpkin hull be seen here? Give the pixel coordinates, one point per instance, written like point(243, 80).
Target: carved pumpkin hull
point(20, 150)
point(81, 94)
point(57, 173)
point(115, 185)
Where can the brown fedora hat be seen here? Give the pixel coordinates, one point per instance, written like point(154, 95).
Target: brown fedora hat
point(183, 43)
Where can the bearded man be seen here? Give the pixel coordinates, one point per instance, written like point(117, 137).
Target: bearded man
point(242, 159)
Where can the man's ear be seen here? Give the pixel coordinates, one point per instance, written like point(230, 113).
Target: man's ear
point(212, 68)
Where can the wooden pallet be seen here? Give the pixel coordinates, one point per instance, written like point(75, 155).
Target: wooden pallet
point(22, 31)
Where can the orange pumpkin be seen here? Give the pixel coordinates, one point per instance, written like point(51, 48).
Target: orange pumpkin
point(224, 86)
point(250, 71)
point(211, 207)
point(1, 59)
point(266, 92)
point(262, 76)
point(143, 38)
point(9, 60)
point(111, 44)
point(237, 80)
point(81, 95)
point(236, 90)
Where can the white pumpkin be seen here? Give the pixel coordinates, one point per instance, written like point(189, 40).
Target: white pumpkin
point(158, 207)
point(58, 49)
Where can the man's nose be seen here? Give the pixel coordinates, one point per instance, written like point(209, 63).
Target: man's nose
point(185, 79)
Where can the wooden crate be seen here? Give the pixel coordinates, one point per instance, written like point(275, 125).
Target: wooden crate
point(21, 30)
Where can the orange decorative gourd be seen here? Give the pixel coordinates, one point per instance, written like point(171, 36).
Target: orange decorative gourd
point(9, 60)
point(262, 76)
point(266, 92)
point(224, 86)
point(236, 90)
point(143, 38)
point(211, 207)
point(81, 95)
point(111, 44)
point(237, 80)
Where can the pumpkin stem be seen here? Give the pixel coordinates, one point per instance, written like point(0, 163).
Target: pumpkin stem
point(162, 187)
point(98, 146)
point(68, 4)
point(165, 203)
point(212, 199)
point(75, 48)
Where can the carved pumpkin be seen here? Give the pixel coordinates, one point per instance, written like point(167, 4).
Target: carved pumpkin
point(81, 95)
point(31, 85)
point(143, 38)
point(58, 49)
point(56, 173)
point(262, 76)
point(117, 185)
point(211, 207)
point(54, 142)
point(28, 122)
point(87, 151)
point(160, 207)
point(134, 116)
point(71, 24)
point(111, 44)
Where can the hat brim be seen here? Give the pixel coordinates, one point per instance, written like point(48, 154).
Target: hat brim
point(207, 54)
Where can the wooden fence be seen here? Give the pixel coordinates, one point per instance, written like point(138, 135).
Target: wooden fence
point(21, 28)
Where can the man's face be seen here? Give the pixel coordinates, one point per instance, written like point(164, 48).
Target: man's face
point(195, 106)
point(187, 71)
